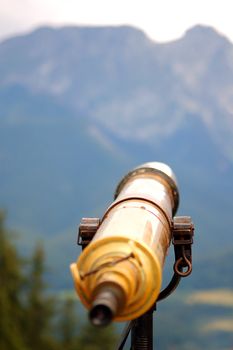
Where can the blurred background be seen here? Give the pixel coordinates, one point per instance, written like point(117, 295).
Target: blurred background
point(88, 91)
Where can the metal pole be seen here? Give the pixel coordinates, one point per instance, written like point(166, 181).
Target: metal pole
point(142, 332)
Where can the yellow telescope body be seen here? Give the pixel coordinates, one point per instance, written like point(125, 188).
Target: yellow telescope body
point(118, 276)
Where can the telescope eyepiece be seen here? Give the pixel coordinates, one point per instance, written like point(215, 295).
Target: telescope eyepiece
point(100, 315)
point(108, 300)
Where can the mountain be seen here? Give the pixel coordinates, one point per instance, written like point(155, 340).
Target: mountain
point(125, 82)
point(81, 106)
point(49, 169)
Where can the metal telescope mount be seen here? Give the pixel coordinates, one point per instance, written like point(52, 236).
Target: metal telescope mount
point(182, 231)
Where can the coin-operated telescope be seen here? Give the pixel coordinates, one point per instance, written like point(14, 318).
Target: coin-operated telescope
point(118, 275)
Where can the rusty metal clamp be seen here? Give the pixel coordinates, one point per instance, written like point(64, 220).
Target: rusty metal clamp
point(86, 231)
point(182, 239)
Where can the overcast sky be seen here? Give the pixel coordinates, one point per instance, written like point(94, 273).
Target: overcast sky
point(162, 20)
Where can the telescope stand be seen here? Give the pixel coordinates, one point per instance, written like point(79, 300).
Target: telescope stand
point(142, 332)
point(142, 328)
point(182, 231)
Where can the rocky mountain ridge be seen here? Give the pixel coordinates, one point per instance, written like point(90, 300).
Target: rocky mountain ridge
point(80, 106)
point(125, 83)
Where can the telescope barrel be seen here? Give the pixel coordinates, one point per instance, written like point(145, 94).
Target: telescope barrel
point(118, 276)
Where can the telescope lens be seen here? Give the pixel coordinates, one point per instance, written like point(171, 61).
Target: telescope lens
point(107, 301)
point(100, 315)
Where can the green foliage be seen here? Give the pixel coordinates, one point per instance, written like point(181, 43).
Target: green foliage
point(28, 316)
point(92, 338)
point(39, 307)
point(68, 325)
point(11, 309)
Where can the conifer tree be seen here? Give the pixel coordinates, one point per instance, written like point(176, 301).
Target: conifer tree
point(39, 305)
point(11, 309)
point(94, 338)
point(27, 312)
point(69, 325)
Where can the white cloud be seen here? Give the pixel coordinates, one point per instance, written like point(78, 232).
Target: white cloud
point(162, 20)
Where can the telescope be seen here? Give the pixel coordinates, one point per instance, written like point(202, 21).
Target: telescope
point(118, 275)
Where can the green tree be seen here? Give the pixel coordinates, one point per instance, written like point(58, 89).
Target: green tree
point(93, 338)
point(39, 306)
point(68, 325)
point(27, 312)
point(12, 282)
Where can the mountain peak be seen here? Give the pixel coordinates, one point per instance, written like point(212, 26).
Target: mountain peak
point(90, 30)
point(203, 33)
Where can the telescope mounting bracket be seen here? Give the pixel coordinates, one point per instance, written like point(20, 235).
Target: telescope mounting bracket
point(182, 231)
